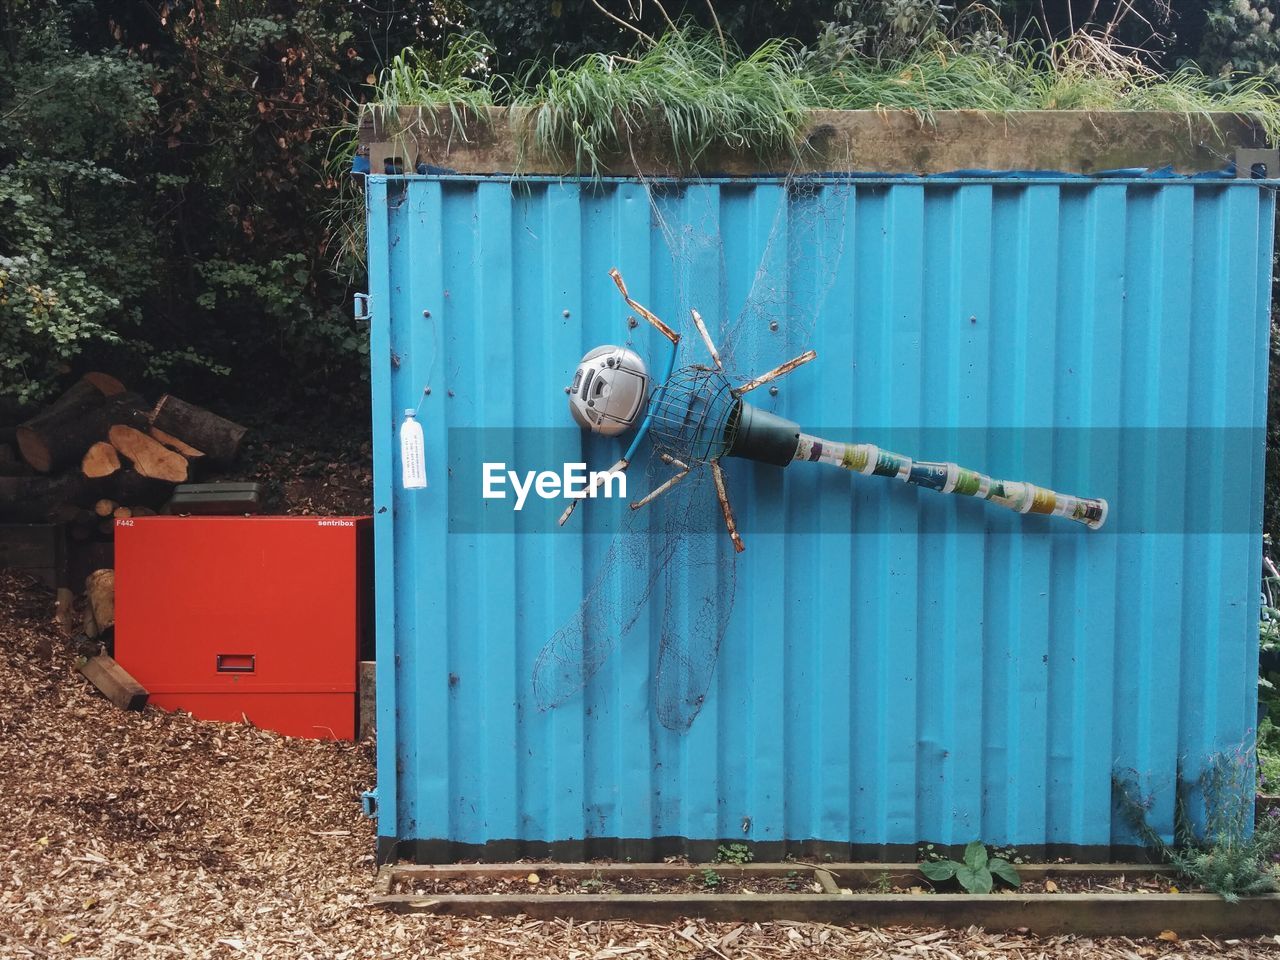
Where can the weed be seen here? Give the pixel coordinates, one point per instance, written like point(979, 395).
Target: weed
point(708, 878)
point(738, 853)
point(976, 873)
point(883, 884)
point(1227, 853)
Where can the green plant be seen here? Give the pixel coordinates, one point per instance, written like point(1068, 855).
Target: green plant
point(976, 873)
point(1268, 739)
point(883, 884)
point(734, 853)
point(1242, 35)
point(1223, 850)
point(708, 878)
point(687, 87)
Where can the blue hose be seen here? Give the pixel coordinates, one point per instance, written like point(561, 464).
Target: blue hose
point(648, 416)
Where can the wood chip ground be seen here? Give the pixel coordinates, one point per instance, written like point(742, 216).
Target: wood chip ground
point(154, 835)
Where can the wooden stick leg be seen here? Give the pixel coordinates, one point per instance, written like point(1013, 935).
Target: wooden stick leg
point(777, 372)
point(618, 467)
point(706, 338)
point(722, 495)
point(661, 327)
point(659, 491)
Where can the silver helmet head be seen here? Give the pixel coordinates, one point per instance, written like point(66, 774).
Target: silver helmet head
point(609, 390)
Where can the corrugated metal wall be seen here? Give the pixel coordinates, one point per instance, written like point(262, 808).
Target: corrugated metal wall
point(908, 666)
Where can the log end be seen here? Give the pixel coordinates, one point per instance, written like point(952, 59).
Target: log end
point(33, 449)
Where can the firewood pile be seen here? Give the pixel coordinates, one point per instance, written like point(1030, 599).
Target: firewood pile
point(96, 455)
point(100, 453)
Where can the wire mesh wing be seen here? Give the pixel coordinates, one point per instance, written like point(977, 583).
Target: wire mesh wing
point(700, 583)
point(580, 647)
point(669, 570)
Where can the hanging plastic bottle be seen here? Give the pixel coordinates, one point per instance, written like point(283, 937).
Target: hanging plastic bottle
point(413, 462)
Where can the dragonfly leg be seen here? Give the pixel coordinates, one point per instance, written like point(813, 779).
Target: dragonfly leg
point(683, 471)
point(706, 338)
point(781, 370)
point(645, 312)
point(722, 494)
point(618, 467)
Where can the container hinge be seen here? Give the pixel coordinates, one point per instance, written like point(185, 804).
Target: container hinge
point(1254, 164)
point(360, 306)
point(369, 802)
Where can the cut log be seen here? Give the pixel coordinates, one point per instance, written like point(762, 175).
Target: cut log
point(105, 507)
point(12, 413)
point(143, 512)
point(59, 435)
point(100, 460)
point(34, 499)
point(218, 437)
point(105, 382)
point(150, 458)
point(10, 463)
point(122, 513)
point(174, 444)
point(114, 682)
point(107, 527)
point(100, 596)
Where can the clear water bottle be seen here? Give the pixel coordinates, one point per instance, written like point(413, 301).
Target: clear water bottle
point(413, 462)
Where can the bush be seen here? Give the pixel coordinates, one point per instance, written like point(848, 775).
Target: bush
point(75, 252)
point(165, 195)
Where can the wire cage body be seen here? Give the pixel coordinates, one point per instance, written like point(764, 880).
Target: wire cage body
point(693, 415)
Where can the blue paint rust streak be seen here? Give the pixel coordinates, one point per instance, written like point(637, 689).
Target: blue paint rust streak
point(912, 667)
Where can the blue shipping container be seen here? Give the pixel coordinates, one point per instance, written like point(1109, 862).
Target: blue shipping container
point(898, 665)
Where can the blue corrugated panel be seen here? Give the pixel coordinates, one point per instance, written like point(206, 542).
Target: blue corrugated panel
point(899, 666)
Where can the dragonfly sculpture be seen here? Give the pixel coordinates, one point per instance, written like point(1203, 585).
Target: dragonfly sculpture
point(695, 415)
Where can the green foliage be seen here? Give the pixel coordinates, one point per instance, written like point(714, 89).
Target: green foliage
point(1268, 740)
point(976, 872)
point(456, 77)
point(1224, 852)
point(883, 884)
point(1271, 491)
point(76, 254)
point(51, 303)
point(1269, 748)
point(734, 853)
point(164, 194)
point(697, 93)
point(708, 878)
point(1243, 36)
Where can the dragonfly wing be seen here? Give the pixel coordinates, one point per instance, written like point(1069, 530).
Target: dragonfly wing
point(699, 583)
point(584, 643)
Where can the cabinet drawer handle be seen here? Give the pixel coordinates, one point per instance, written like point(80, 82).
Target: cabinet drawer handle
point(236, 662)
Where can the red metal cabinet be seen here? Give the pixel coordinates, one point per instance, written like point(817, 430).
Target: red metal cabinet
point(235, 617)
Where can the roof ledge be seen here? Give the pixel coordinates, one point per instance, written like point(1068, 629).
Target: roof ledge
point(499, 141)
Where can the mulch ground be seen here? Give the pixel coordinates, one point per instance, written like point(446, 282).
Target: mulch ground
point(156, 835)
